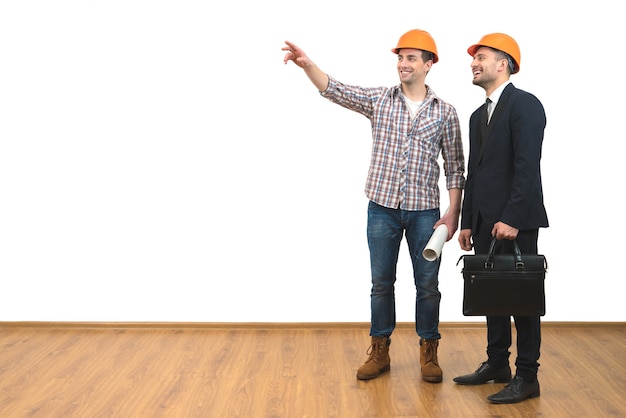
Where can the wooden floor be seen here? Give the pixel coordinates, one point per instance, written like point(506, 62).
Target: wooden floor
point(289, 370)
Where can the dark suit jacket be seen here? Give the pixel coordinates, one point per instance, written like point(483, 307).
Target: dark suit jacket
point(504, 178)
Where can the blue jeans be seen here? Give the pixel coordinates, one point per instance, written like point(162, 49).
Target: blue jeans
point(385, 229)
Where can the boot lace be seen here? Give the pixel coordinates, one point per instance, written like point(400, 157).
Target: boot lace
point(374, 352)
point(430, 353)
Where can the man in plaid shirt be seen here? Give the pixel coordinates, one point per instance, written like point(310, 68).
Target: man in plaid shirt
point(411, 126)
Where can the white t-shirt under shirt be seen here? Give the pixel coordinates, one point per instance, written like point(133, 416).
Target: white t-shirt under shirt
point(412, 105)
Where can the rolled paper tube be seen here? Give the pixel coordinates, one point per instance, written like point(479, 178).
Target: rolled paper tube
point(433, 248)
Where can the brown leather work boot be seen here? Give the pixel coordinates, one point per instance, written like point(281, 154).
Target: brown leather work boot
point(378, 361)
point(431, 372)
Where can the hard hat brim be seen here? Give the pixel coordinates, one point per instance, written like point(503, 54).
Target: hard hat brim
point(472, 49)
point(435, 56)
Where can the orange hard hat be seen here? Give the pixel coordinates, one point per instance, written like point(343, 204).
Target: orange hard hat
point(417, 39)
point(501, 42)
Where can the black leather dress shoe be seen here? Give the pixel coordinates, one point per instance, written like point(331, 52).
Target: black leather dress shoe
point(516, 391)
point(484, 374)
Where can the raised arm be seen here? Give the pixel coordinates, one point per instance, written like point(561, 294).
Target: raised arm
point(297, 55)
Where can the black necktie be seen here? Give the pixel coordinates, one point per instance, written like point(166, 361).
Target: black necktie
point(484, 121)
point(487, 106)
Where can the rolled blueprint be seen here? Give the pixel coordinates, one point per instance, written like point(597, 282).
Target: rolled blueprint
point(433, 248)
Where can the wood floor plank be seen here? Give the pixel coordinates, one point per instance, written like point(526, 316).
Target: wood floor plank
point(290, 372)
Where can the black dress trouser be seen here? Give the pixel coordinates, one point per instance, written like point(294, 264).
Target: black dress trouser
point(499, 331)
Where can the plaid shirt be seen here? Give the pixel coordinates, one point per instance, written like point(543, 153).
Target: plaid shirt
point(404, 172)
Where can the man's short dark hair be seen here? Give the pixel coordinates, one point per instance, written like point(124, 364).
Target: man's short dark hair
point(427, 55)
point(504, 56)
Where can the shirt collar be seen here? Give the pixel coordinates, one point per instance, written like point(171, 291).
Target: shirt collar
point(430, 93)
point(495, 96)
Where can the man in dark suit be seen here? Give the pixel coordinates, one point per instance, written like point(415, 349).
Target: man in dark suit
point(504, 199)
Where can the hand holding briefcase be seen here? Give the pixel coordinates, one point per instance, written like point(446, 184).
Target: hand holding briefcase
point(504, 284)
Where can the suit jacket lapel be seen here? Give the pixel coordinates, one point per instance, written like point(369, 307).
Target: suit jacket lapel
point(501, 102)
point(486, 129)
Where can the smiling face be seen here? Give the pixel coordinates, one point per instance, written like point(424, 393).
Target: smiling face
point(489, 69)
point(411, 66)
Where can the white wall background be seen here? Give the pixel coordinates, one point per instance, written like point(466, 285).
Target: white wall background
point(158, 162)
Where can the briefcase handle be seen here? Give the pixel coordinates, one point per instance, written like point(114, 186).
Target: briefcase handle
point(519, 263)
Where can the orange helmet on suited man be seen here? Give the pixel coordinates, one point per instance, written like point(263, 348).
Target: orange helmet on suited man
point(501, 42)
point(417, 39)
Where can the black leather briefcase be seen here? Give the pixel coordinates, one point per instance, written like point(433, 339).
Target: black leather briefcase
point(504, 284)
